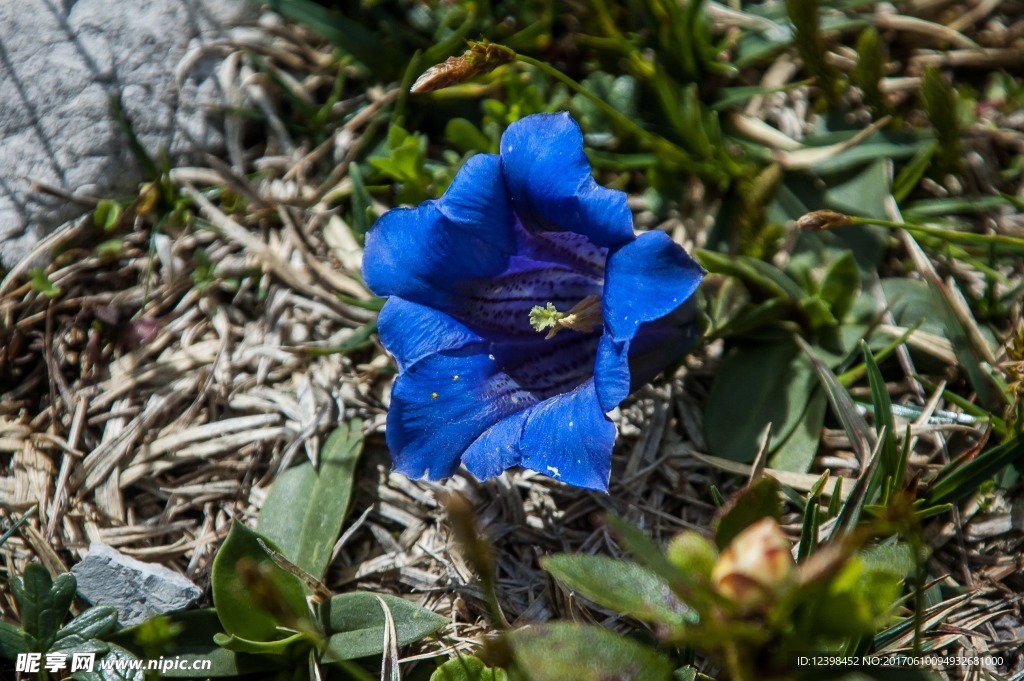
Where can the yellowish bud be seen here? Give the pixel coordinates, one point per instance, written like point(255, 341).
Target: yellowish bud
point(755, 567)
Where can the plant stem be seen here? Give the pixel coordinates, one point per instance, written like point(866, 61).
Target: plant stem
point(657, 143)
point(967, 238)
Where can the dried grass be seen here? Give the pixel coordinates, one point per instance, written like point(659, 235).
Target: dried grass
point(140, 411)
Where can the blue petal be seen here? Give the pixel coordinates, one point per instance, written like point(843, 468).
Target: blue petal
point(410, 331)
point(551, 185)
point(612, 378)
point(441, 404)
point(419, 253)
point(646, 280)
point(497, 448)
point(661, 342)
point(568, 437)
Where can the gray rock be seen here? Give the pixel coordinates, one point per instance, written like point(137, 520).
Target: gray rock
point(138, 590)
point(60, 62)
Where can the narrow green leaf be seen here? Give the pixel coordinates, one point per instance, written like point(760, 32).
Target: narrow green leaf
point(356, 623)
point(850, 513)
point(870, 69)
point(362, 203)
point(620, 586)
point(561, 650)
point(646, 552)
point(941, 103)
point(808, 531)
point(960, 479)
point(254, 596)
point(861, 437)
point(885, 424)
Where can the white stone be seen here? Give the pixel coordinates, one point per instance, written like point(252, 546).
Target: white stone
point(60, 62)
point(137, 590)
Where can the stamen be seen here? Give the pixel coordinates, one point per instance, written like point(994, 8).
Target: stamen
point(584, 317)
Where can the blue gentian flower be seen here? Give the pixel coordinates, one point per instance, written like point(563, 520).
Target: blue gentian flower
point(521, 242)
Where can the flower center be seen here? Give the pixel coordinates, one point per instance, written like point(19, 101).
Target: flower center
point(583, 317)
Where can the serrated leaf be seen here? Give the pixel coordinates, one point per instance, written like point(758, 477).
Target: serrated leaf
point(356, 623)
point(621, 586)
point(306, 508)
point(44, 602)
point(254, 611)
point(561, 650)
point(467, 668)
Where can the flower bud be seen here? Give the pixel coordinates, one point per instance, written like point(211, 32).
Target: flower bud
point(692, 554)
point(823, 219)
point(481, 57)
point(755, 567)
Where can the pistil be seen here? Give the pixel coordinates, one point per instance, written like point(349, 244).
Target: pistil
point(583, 317)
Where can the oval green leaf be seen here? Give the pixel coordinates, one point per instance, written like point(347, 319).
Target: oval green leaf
point(243, 612)
point(356, 623)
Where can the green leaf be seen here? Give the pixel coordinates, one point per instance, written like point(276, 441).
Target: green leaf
point(254, 596)
point(115, 665)
point(895, 558)
point(281, 647)
point(107, 215)
point(465, 136)
point(467, 668)
point(41, 283)
point(773, 382)
point(13, 641)
point(44, 602)
point(796, 453)
point(941, 103)
point(870, 69)
point(962, 478)
point(95, 622)
point(195, 641)
point(861, 436)
point(561, 650)
point(623, 587)
point(884, 420)
point(840, 285)
point(356, 624)
point(761, 276)
point(758, 500)
point(305, 510)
